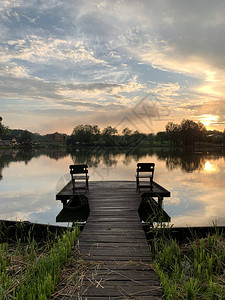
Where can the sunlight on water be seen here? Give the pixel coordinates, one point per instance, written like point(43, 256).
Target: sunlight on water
point(209, 167)
point(30, 181)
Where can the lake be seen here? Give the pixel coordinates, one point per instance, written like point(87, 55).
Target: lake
point(30, 179)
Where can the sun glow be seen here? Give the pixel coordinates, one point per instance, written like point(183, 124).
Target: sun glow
point(208, 120)
point(209, 90)
point(209, 167)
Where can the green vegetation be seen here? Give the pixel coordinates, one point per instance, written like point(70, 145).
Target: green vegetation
point(88, 135)
point(3, 129)
point(31, 270)
point(195, 270)
point(188, 133)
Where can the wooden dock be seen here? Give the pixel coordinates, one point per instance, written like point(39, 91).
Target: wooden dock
point(113, 244)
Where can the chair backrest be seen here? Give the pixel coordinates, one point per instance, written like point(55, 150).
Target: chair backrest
point(78, 169)
point(146, 167)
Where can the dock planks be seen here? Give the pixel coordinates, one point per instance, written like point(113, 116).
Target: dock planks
point(114, 244)
point(112, 259)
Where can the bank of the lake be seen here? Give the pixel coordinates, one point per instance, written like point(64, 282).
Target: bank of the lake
point(31, 262)
point(191, 270)
point(37, 261)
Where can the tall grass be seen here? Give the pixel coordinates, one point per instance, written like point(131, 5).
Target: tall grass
point(31, 271)
point(195, 270)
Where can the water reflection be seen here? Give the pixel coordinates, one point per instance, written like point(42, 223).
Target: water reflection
point(150, 212)
point(73, 214)
point(26, 155)
point(195, 179)
point(209, 167)
point(76, 210)
point(186, 161)
point(175, 159)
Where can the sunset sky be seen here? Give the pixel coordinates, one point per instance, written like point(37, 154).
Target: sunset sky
point(136, 64)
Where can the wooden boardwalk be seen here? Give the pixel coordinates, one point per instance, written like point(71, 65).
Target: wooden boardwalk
point(114, 247)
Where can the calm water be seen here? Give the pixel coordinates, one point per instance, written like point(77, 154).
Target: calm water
point(29, 181)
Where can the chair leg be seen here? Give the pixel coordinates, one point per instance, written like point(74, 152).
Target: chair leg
point(73, 182)
point(151, 183)
point(87, 183)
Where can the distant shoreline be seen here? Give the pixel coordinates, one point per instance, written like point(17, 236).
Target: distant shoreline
point(183, 147)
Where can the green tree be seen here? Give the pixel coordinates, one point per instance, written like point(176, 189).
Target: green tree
point(136, 138)
point(127, 134)
point(109, 136)
point(109, 131)
point(25, 138)
point(161, 136)
point(192, 132)
point(84, 134)
point(173, 133)
point(126, 131)
point(3, 129)
point(188, 132)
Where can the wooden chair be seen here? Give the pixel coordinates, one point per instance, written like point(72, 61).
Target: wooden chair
point(76, 172)
point(145, 170)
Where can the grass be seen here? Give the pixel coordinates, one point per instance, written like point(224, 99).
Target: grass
point(194, 270)
point(31, 270)
point(35, 270)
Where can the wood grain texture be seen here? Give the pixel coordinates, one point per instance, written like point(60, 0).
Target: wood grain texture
point(114, 239)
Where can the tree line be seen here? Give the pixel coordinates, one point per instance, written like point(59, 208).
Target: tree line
point(91, 135)
point(187, 132)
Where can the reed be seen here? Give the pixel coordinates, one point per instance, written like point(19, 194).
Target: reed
point(29, 270)
point(194, 270)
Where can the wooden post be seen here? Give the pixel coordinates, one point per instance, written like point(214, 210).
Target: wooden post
point(64, 202)
point(160, 201)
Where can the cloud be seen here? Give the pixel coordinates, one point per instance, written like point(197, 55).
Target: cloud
point(166, 91)
point(188, 30)
point(211, 108)
point(27, 88)
point(184, 37)
point(20, 86)
point(93, 105)
point(14, 70)
point(42, 50)
point(101, 54)
point(7, 5)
